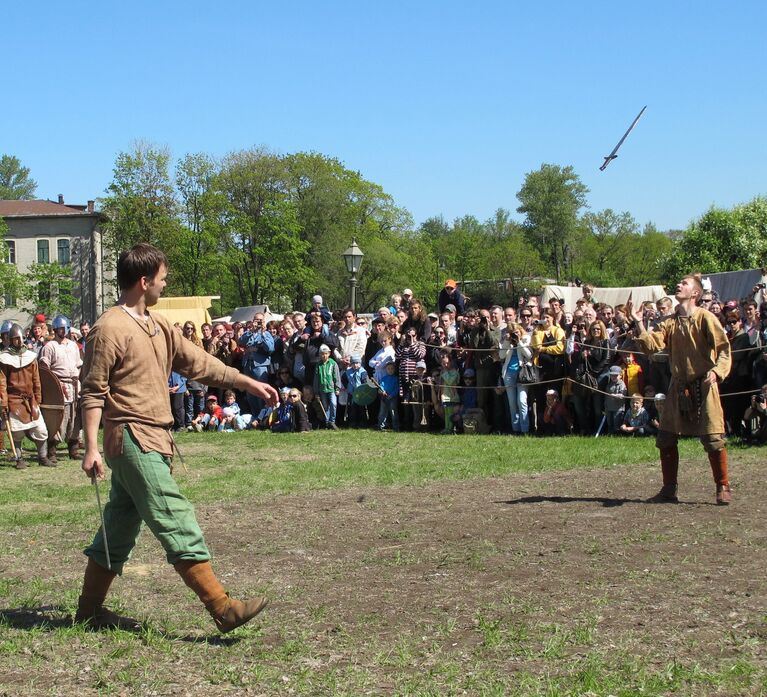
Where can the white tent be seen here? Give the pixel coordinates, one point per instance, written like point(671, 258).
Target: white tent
point(611, 296)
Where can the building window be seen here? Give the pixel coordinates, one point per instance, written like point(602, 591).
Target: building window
point(11, 251)
point(9, 300)
point(43, 252)
point(63, 251)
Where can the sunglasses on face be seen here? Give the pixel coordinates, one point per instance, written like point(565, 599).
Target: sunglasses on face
point(526, 316)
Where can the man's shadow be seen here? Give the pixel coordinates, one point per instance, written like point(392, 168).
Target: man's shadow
point(603, 500)
point(54, 617)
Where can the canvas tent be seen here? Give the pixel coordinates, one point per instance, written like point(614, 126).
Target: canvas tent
point(735, 285)
point(611, 296)
point(183, 309)
point(245, 314)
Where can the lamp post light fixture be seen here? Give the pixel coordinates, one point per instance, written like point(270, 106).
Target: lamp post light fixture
point(353, 258)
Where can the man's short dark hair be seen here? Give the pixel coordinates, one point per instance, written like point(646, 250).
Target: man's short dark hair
point(141, 260)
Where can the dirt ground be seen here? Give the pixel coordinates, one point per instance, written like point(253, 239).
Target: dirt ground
point(456, 567)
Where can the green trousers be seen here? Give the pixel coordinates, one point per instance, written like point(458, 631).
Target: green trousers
point(143, 490)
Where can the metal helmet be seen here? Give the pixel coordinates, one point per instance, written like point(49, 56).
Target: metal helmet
point(60, 321)
point(6, 326)
point(16, 332)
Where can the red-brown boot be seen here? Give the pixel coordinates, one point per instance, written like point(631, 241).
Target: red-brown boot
point(669, 465)
point(90, 607)
point(719, 469)
point(227, 613)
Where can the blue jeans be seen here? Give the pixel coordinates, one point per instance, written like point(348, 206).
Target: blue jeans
point(389, 408)
point(194, 403)
point(516, 393)
point(261, 374)
point(329, 402)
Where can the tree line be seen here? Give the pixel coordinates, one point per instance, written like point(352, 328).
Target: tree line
point(261, 227)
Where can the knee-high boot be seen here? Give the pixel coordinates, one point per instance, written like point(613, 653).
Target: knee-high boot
point(227, 613)
point(90, 606)
point(669, 465)
point(719, 469)
point(42, 454)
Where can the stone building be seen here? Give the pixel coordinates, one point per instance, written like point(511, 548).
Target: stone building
point(47, 231)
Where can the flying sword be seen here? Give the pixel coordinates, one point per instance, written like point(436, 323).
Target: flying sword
point(614, 153)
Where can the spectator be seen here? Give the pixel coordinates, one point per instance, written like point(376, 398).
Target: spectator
point(556, 420)
point(351, 340)
point(548, 345)
point(636, 420)
point(352, 378)
point(450, 401)
point(517, 349)
point(319, 336)
point(278, 354)
point(739, 378)
point(614, 401)
point(410, 350)
point(177, 390)
point(300, 416)
point(755, 419)
point(320, 309)
point(418, 320)
point(231, 418)
point(482, 358)
point(207, 335)
point(209, 419)
point(327, 385)
point(383, 356)
point(283, 415)
point(407, 298)
point(589, 360)
point(258, 346)
point(450, 295)
point(313, 407)
point(389, 394)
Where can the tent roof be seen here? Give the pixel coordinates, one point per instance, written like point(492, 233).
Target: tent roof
point(183, 309)
point(611, 296)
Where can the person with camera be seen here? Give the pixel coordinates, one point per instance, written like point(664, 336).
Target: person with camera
point(516, 348)
point(548, 345)
point(410, 351)
point(480, 355)
point(699, 357)
point(755, 419)
point(589, 358)
point(258, 345)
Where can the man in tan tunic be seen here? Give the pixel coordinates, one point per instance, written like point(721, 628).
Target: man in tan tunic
point(129, 356)
point(699, 358)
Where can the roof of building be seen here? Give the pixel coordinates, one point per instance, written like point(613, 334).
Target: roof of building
point(11, 209)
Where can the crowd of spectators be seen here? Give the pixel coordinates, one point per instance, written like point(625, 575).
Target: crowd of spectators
point(535, 368)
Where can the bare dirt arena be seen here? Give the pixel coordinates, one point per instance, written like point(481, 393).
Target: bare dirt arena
point(564, 581)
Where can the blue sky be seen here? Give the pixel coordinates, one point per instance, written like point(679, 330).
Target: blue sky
point(447, 105)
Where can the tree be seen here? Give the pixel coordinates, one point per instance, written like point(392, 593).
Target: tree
point(551, 198)
point(48, 288)
point(140, 206)
point(15, 182)
point(722, 240)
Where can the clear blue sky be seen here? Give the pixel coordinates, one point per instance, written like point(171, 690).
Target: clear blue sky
point(445, 104)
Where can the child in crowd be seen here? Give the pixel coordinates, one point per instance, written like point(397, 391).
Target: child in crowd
point(352, 378)
point(313, 407)
point(327, 385)
point(449, 379)
point(556, 418)
point(633, 376)
point(636, 419)
point(231, 419)
point(210, 418)
point(283, 415)
point(653, 424)
point(384, 355)
point(614, 402)
point(389, 391)
point(299, 414)
point(469, 417)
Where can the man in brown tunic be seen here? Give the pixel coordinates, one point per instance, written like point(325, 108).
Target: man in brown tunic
point(699, 358)
point(129, 356)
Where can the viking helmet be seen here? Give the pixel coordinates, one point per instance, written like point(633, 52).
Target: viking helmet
point(6, 326)
point(16, 332)
point(61, 321)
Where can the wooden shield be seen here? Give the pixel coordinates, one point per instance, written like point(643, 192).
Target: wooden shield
point(52, 407)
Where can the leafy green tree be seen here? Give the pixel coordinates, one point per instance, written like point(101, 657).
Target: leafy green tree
point(12, 283)
point(721, 240)
point(15, 182)
point(140, 205)
point(48, 288)
point(551, 199)
point(196, 258)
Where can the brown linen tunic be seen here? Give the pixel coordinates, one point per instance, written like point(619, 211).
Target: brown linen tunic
point(20, 391)
point(696, 345)
point(126, 369)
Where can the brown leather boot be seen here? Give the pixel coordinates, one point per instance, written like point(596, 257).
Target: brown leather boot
point(719, 469)
point(74, 452)
point(42, 455)
point(52, 452)
point(90, 607)
point(669, 465)
point(227, 613)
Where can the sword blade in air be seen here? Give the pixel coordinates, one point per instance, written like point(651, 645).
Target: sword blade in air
point(614, 153)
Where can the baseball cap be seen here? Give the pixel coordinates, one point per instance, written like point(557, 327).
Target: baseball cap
point(468, 373)
point(212, 398)
point(317, 299)
point(420, 364)
point(615, 370)
point(324, 348)
point(356, 359)
point(450, 308)
point(450, 283)
point(407, 291)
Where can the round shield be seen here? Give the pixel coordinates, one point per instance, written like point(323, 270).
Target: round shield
point(365, 394)
point(52, 407)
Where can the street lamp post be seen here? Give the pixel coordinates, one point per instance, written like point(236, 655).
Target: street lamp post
point(353, 258)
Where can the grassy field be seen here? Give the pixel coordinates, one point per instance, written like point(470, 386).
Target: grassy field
point(405, 564)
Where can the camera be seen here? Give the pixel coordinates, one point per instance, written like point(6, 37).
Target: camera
point(760, 398)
